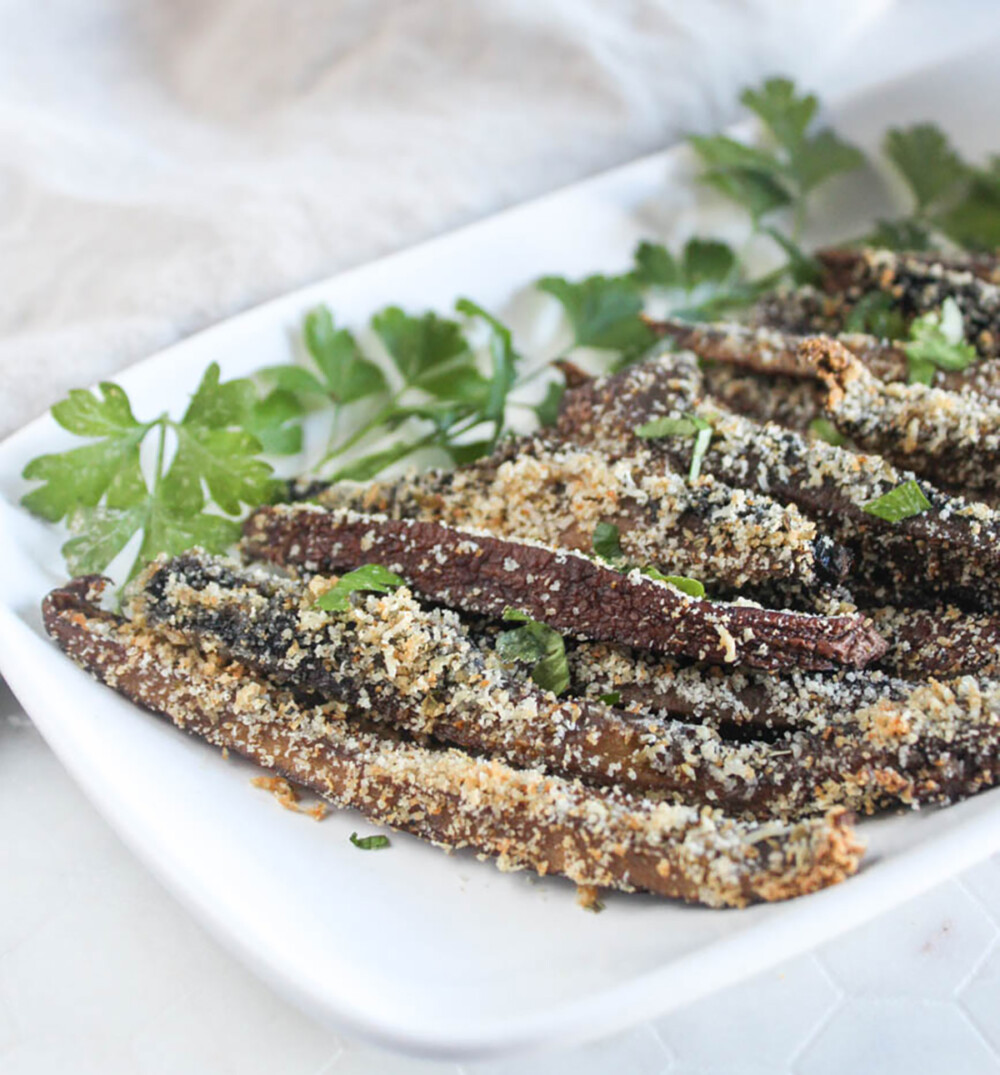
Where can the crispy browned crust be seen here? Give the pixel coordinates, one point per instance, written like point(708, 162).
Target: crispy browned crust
point(419, 670)
point(525, 818)
point(949, 553)
point(771, 351)
point(952, 439)
point(476, 572)
point(558, 494)
point(938, 642)
point(916, 285)
point(931, 741)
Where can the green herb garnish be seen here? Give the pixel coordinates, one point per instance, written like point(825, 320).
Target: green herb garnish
point(607, 541)
point(937, 342)
point(825, 430)
point(692, 587)
point(903, 502)
point(688, 426)
point(369, 577)
point(536, 644)
point(603, 312)
point(369, 843)
point(952, 199)
point(784, 173)
point(611, 698)
point(105, 498)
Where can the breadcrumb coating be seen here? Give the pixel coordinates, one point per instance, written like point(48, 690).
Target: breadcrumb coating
point(559, 494)
point(522, 818)
point(475, 571)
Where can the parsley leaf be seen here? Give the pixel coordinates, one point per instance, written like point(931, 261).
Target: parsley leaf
point(936, 342)
point(706, 274)
point(692, 587)
point(536, 644)
point(655, 266)
point(347, 375)
point(876, 313)
point(504, 360)
point(742, 173)
point(603, 311)
point(928, 163)
point(785, 115)
point(81, 476)
point(431, 353)
point(765, 178)
point(611, 698)
point(669, 427)
point(606, 541)
point(369, 843)
point(212, 455)
point(974, 221)
point(368, 577)
point(824, 429)
point(903, 502)
point(104, 496)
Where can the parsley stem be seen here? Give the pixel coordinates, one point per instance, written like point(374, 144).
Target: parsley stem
point(379, 418)
point(163, 421)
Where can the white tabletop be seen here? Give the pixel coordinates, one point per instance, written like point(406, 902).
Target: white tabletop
point(102, 972)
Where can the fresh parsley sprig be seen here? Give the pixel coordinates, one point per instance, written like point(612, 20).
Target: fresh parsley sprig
point(784, 173)
point(208, 458)
point(952, 199)
point(937, 342)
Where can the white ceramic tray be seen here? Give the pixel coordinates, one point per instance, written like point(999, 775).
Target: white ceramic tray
point(411, 948)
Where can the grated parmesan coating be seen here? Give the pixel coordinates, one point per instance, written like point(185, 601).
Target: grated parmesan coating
point(421, 672)
point(950, 438)
point(524, 818)
point(935, 741)
point(951, 552)
point(938, 642)
point(477, 572)
point(729, 538)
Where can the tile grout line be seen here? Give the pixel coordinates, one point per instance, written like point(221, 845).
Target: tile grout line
point(839, 1003)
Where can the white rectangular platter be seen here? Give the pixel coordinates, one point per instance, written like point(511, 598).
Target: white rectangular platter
point(434, 954)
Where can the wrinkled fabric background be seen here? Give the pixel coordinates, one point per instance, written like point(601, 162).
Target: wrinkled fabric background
point(166, 164)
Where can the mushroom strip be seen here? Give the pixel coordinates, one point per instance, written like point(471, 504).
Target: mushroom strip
point(420, 672)
point(917, 285)
point(768, 350)
point(930, 742)
point(952, 439)
point(559, 495)
point(525, 818)
point(477, 572)
point(951, 551)
point(938, 642)
point(760, 371)
point(790, 401)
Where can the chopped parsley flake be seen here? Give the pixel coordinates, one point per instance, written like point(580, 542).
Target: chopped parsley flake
point(903, 502)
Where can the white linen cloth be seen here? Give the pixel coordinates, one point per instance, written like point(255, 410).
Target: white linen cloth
point(166, 164)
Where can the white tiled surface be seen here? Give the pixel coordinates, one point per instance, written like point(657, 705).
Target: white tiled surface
point(102, 973)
